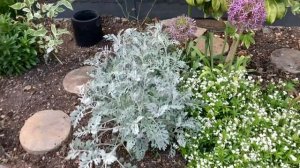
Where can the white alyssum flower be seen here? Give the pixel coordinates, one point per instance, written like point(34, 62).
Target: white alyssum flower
point(241, 123)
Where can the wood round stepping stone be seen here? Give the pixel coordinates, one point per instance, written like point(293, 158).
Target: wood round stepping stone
point(45, 131)
point(75, 80)
point(286, 59)
point(218, 44)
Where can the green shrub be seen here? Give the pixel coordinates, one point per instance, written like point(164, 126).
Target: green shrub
point(133, 96)
point(17, 47)
point(276, 9)
point(243, 125)
point(40, 16)
point(4, 6)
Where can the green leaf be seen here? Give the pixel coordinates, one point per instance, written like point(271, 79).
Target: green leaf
point(29, 16)
point(199, 2)
point(27, 10)
point(216, 5)
point(37, 15)
point(39, 33)
point(281, 10)
point(38, 5)
point(67, 4)
point(18, 6)
point(51, 12)
point(53, 29)
point(247, 39)
point(29, 2)
point(271, 9)
point(224, 5)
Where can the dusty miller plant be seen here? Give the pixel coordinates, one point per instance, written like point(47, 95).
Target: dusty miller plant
point(133, 97)
point(40, 18)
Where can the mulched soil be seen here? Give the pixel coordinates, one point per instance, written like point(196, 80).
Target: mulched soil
point(46, 92)
point(268, 40)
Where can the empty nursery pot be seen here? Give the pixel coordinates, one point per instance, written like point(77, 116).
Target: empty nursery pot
point(87, 28)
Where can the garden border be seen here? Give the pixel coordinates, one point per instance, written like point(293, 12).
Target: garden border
point(162, 10)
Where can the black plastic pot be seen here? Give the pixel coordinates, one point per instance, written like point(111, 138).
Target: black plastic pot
point(87, 28)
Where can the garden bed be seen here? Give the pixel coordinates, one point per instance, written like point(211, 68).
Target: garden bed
point(41, 88)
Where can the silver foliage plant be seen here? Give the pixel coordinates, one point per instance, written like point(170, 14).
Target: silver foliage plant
point(133, 98)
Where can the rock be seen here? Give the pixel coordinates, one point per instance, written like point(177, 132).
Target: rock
point(27, 88)
point(75, 80)
point(266, 30)
point(45, 131)
point(242, 53)
point(218, 44)
point(287, 60)
point(116, 19)
point(166, 22)
point(3, 166)
point(199, 32)
point(124, 20)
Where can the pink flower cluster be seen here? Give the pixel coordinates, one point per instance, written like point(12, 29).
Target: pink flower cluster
point(247, 14)
point(182, 28)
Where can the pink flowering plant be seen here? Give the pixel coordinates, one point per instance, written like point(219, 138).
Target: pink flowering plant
point(244, 123)
point(275, 9)
point(182, 28)
point(245, 15)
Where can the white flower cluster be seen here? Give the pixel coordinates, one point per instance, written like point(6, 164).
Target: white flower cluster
point(242, 124)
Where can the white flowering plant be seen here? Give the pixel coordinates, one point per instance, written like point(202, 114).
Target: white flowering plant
point(243, 125)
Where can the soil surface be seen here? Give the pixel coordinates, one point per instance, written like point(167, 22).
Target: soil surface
point(41, 89)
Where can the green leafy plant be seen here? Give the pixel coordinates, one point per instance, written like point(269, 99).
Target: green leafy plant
point(215, 8)
point(17, 47)
point(276, 9)
point(4, 6)
point(255, 13)
point(133, 97)
point(40, 18)
point(243, 125)
point(196, 58)
point(239, 28)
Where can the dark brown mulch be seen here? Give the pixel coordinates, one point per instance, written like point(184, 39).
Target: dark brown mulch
point(16, 105)
point(267, 41)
